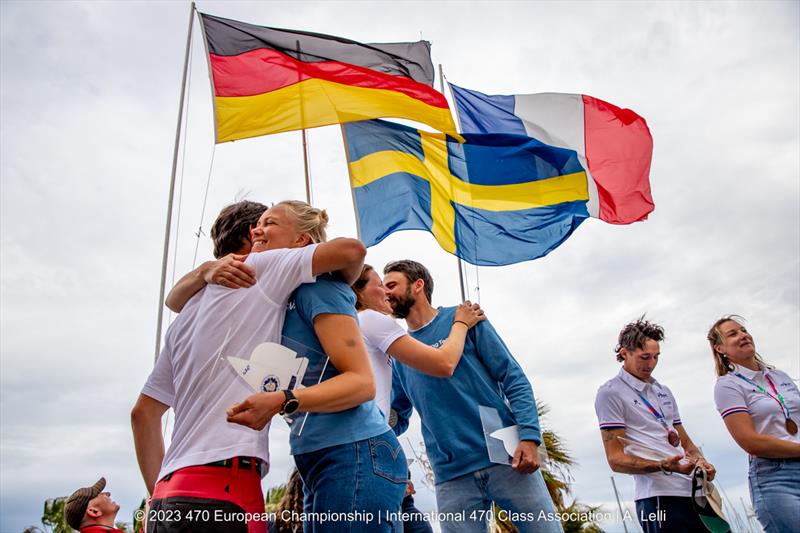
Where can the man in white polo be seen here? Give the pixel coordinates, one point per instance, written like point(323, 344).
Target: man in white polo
point(643, 434)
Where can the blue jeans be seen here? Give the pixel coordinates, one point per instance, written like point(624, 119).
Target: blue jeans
point(465, 502)
point(356, 487)
point(775, 492)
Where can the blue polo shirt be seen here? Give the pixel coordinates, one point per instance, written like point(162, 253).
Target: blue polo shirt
point(314, 431)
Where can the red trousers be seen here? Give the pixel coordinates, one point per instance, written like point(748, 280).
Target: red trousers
point(186, 500)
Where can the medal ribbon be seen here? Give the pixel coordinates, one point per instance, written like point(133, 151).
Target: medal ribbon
point(656, 413)
point(779, 399)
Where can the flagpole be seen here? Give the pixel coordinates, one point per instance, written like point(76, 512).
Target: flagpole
point(303, 131)
point(168, 227)
point(619, 504)
point(460, 265)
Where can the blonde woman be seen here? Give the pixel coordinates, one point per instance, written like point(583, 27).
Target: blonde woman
point(760, 406)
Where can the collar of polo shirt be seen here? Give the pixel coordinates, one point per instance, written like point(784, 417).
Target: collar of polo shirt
point(635, 382)
point(746, 372)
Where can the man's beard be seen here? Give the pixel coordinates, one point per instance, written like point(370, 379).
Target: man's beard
point(402, 306)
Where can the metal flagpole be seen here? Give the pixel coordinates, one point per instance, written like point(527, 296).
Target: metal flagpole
point(619, 503)
point(460, 266)
point(172, 184)
point(303, 131)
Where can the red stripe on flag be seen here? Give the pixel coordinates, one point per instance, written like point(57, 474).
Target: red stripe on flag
point(619, 149)
point(262, 71)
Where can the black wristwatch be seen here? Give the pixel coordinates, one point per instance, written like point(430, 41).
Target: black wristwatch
point(290, 404)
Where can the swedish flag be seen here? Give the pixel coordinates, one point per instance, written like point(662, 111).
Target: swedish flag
point(490, 199)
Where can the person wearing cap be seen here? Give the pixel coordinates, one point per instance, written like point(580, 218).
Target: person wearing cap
point(643, 434)
point(90, 510)
point(209, 479)
point(760, 406)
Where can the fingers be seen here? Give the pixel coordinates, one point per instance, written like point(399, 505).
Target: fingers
point(238, 408)
point(517, 458)
point(233, 274)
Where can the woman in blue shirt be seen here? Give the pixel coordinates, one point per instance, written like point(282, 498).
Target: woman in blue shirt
point(352, 465)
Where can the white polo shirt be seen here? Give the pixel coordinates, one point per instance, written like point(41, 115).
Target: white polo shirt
point(192, 375)
point(379, 332)
point(735, 395)
point(618, 406)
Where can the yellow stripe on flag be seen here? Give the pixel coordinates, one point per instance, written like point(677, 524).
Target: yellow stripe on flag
point(315, 102)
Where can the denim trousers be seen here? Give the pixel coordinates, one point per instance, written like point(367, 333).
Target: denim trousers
point(356, 487)
point(775, 492)
point(465, 502)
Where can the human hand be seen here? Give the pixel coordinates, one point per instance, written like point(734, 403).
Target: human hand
point(257, 410)
point(526, 457)
point(708, 467)
point(409, 489)
point(469, 313)
point(230, 271)
point(677, 464)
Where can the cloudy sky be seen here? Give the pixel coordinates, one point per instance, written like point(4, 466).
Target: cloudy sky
point(89, 98)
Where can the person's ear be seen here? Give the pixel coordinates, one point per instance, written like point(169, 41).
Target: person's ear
point(418, 286)
point(623, 353)
point(304, 239)
point(94, 512)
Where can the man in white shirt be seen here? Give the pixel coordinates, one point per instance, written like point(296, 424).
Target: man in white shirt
point(643, 434)
point(210, 476)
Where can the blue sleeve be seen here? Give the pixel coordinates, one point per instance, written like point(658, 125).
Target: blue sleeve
point(401, 405)
point(325, 296)
point(506, 371)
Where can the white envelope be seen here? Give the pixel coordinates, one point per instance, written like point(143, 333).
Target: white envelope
point(271, 367)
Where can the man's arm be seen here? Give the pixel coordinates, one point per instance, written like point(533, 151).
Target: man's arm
point(504, 369)
point(355, 384)
point(147, 438)
point(229, 271)
point(343, 256)
point(624, 463)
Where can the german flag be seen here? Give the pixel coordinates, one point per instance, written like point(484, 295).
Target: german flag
point(269, 80)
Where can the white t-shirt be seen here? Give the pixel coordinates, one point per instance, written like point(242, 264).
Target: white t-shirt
point(735, 395)
point(192, 375)
point(379, 332)
point(618, 406)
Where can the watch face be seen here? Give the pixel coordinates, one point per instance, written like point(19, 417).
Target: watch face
point(290, 406)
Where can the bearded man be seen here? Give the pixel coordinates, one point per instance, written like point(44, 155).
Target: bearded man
point(486, 379)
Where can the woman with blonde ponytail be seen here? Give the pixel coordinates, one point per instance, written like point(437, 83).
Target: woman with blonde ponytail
point(760, 406)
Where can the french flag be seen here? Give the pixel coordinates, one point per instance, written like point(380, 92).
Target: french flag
point(614, 145)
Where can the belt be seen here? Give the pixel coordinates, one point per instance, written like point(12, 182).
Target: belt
point(243, 462)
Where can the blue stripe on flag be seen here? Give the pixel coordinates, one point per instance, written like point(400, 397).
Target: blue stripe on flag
point(399, 201)
point(370, 136)
point(502, 159)
point(482, 113)
point(494, 238)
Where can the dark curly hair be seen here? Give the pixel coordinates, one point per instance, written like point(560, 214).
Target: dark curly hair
point(231, 229)
point(636, 334)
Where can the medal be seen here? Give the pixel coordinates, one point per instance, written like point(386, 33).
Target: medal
point(674, 439)
point(791, 426)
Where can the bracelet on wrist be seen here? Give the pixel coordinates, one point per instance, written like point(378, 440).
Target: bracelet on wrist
point(461, 322)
